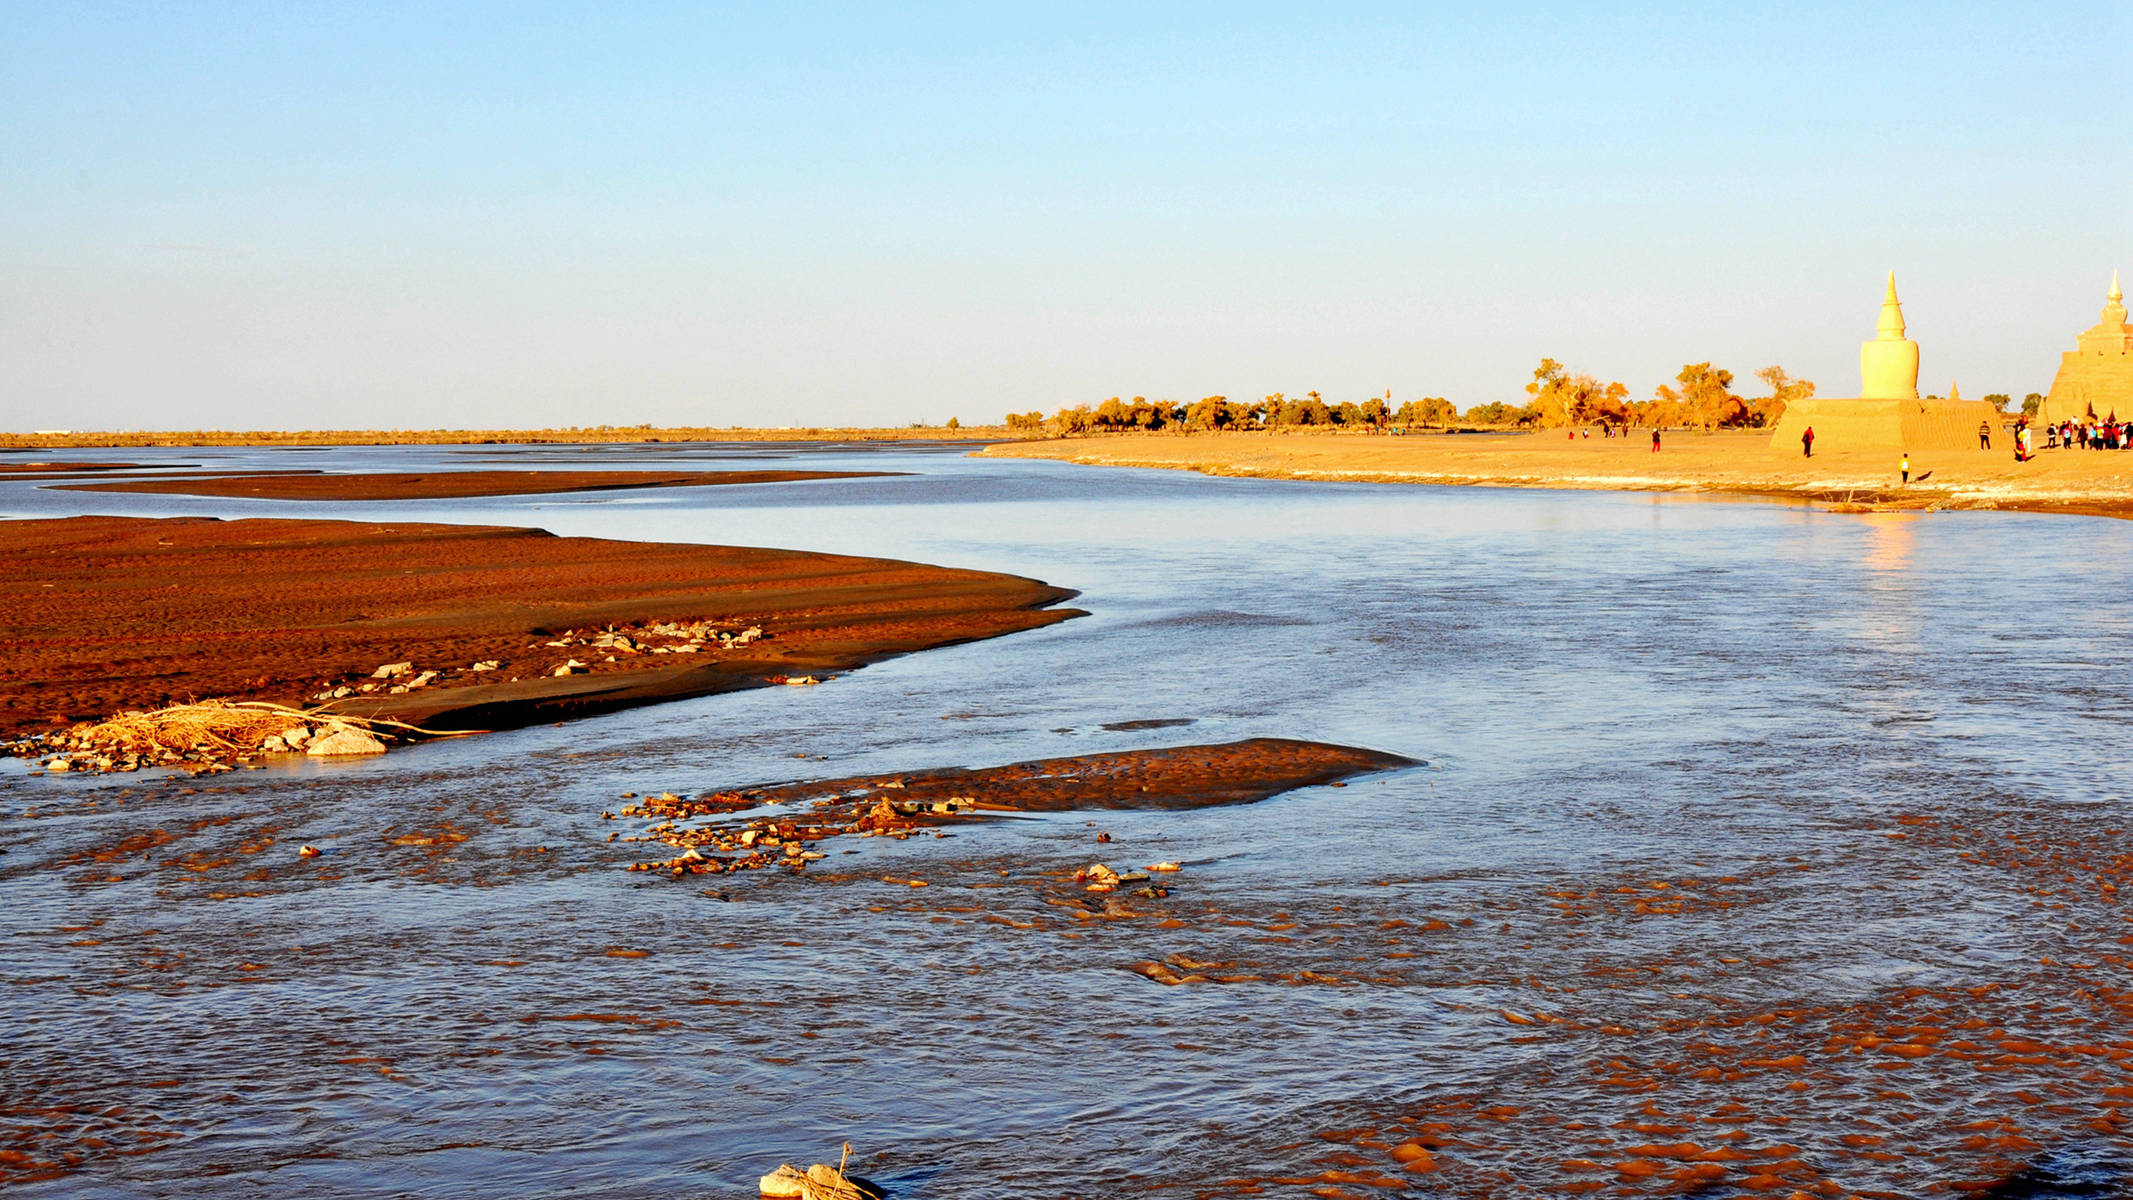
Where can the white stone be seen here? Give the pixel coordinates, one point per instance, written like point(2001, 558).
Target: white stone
point(343, 741)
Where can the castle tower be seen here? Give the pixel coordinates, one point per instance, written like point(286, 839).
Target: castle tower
point(1888, 365)
point(2096, 377)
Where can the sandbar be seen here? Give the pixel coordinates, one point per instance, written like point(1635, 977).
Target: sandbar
point(49, 470)
point(445, 485)
point(2092, 482)
point(102, 614)
point(1175, 777)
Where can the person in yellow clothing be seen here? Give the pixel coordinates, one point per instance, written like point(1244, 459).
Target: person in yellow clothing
point(1905, 467)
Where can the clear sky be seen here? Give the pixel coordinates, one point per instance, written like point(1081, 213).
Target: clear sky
point(371, 215)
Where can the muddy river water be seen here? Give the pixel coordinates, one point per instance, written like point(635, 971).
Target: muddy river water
point(1755, 850)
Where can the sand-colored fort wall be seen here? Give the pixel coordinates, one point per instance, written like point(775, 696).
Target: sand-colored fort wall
point(1894, 426)
point(2089, 385)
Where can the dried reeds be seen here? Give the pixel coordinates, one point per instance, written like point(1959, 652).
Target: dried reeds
point(208, 731)
point(213, 725)
point(824, 1182)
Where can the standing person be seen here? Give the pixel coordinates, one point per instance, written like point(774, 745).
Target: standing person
point(2028, 448)
point(1807, 443)
point(1655, 439)
point(1905, 466)
point(1984, 435)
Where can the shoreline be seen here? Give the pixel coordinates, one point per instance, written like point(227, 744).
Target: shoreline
point(100, 615)
point(2071, 482)
point(634, 435)
point(440, 485)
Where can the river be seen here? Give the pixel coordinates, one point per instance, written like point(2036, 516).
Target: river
point(1751, 844)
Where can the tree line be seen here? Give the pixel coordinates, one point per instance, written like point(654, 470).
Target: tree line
point(1221, 412)
point(1701, 396)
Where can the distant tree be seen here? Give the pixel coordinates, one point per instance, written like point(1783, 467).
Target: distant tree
point(1028, 420)
point(1156, 414)
point(1375, 413)
point(1784, 389)
point(2031, 403)
point(1073, 420)
point(1549, 405)
point(954, 424)
point(1999, 400)
point(1664, 409)
point(1612, 405)
point(1428, 411)
point(1495, 412)
point(1216, 412)
point(1311, 410)
point(1706, 392)
point(1561, 398)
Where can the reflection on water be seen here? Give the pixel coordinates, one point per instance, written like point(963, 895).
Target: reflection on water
point(1760, 849)
point(1889, 545)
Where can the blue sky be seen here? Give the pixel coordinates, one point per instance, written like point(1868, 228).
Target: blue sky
point(371, 215)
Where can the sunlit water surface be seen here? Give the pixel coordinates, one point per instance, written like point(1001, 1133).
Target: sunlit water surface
point(1708, 784)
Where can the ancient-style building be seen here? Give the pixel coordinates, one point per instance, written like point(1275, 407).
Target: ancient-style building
point(2096, 377)
point(1887, 415)
point(1888, 365)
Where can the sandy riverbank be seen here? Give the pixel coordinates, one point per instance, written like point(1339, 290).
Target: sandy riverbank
point(2084, 481)
point(444, 485)
point(99, 614)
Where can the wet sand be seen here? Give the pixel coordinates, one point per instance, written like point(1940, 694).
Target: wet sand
point(1177, 777)
point(447, 485)
point(100, 614)
point(47, 470)
point(2093, 482)
point(900, 804)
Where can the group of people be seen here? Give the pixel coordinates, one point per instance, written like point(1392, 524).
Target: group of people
point(2107, 434)
point(2090, 434)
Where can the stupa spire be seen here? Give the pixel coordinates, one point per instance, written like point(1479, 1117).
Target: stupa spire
point(1891, 327)
point(2114, 309)
point(1888, 365)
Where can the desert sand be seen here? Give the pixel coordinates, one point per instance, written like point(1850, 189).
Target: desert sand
point(2097, 482)
point(100, 614)
point(444, 485)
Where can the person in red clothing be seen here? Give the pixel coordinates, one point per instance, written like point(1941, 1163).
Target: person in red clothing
point(1655, 439)
point(1807, 443)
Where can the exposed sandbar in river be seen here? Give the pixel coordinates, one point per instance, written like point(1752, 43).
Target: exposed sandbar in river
point(103, 613)
point(443, 485)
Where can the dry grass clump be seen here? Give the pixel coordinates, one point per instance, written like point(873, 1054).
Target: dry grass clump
point(211, 734)
point(230, 726)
